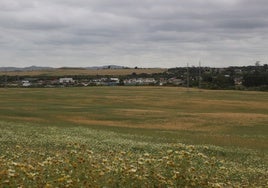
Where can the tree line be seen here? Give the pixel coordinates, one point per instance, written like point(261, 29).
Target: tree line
point(246, 77)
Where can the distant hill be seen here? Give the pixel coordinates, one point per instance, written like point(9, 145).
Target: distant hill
point(31, 68)
point(39, 68)
point(70, 71)
point(106, 67)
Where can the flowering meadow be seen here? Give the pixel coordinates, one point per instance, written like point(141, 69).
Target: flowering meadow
point(37, 156)
point(67, 151)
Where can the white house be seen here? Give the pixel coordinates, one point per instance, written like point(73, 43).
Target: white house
point(66, 80)
point(115, 80)
point(26, 83)
point(140, 81)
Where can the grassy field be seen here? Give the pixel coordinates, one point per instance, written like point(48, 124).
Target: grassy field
point(71, 72)
point(133, 137)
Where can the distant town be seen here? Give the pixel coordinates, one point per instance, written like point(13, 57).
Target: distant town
point(243, 78)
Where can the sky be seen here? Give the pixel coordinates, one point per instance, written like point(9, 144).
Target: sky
point(143, 33)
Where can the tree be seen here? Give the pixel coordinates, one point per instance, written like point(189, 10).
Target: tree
point(257, 63)
point(255, 79)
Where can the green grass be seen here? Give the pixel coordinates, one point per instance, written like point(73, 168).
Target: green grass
point(133, 136)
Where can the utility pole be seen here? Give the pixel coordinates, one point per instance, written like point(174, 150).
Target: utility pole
point(5, 81)
point(199, 76)
point(188, 80)
point(5, 77)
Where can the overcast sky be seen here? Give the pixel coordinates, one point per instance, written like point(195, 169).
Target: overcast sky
point(144, 33)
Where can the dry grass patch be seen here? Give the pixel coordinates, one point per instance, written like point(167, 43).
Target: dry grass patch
point(205, 122)
point(70, 72)
point(241, 118)
point(138, 111)
point(165, 125)
point(24, 119)
point(227, 103)
point(84, 120)
point(217, 122)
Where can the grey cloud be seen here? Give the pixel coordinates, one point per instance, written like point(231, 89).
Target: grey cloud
point(107, 32)
point(243, 24)
point(14, 5)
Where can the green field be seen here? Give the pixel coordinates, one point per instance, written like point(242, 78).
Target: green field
point(133, 137)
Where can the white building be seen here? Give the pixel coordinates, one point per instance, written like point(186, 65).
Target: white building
point(66, 80)
point(115, 80)
point(26, 83)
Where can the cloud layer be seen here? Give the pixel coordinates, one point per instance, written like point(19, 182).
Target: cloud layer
point(146, 33)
